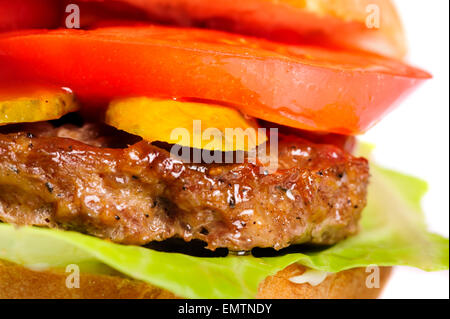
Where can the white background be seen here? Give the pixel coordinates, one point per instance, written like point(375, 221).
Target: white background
point(415, 137)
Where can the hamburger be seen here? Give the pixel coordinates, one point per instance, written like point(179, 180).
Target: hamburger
point(203, 149)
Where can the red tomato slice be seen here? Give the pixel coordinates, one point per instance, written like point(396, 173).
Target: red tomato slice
point(27, 14)
point(304, 87)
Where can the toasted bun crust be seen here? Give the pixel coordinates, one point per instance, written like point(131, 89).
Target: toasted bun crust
point(341, 21)
point(18, 282)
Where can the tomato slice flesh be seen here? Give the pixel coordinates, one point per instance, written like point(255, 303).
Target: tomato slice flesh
point(300, 86)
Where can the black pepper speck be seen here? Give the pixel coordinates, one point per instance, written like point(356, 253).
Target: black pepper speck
point(232, 202)
point(49, 187)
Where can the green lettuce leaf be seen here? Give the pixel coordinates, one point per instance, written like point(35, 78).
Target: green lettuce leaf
point(393, 232)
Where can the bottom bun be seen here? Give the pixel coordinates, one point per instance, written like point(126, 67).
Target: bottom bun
point(18, 282)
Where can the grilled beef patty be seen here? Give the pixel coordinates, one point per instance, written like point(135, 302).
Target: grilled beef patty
point(139, 194)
